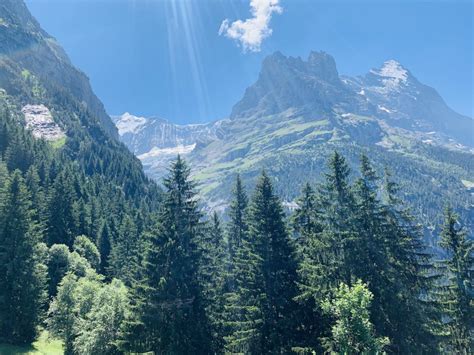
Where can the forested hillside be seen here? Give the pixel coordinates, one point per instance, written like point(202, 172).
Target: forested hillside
point(97, 259)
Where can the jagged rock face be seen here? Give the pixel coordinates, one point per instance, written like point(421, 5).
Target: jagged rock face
point(142, 135)
point(286, 82)
point(296, 114)
point(406, 103)
point(24, 46)
point(40, 121)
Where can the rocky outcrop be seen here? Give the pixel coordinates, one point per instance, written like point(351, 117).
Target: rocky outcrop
point(40, 122)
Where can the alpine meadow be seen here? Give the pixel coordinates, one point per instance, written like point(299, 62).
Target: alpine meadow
point(247, 201)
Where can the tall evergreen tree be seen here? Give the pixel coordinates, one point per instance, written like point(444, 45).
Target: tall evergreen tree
point(328, 258)
point(237, 227)
point(124, 256)
point(213, 276)
point(62, 218)
point(307, 225)
point(306, 220)
point(242, 313)
point(409, 316)
point(169, 310)
point(457, 293)
point(104, 246)
point(276, 269)
point(22, 274)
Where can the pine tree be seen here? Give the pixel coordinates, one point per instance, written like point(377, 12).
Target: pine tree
point(409, 317)
point(242, 312)
point(213, 277)
point(307, 225)
point(104, 246)
point(457, 293)
point(62, 220)
point(22, 274)
point(274, 266)
point(237, 227)
point(168, 303)
point(306, 220)
point(371, 243)
point(328, 258)
point(124, 256)
point(38, 198)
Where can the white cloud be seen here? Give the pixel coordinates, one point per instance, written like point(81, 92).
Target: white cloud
point(251, 32)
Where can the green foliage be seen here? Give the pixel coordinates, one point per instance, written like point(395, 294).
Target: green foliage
point(269, 279)
point(353, 333)
point(87, 314)
point(22, 272)
point(456, 289)
point(99, 331)
point(85, 248)
point(213, 276)
point(104, 244)
point(58, 266)
point(237, 227)
point(365, 238)
point(169, 307)
point(124, 255)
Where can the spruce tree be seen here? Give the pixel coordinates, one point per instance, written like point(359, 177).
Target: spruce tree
point(104, 246)
point(457, 291)
point(307, 225)
point(213, 277)
point(242, 312)
point(124, 256)
point(275, 268)
point(62, 219)
point(237, 227)
point(328, 258)
point(409, 316)
point(168, 304)
point(22, 274)
point(306, 220)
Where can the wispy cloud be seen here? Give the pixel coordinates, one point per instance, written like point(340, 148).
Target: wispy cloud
point(251, 32)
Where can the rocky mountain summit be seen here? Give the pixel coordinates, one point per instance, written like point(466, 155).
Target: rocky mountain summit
point(299, 111)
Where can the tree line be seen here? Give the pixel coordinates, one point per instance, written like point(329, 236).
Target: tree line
point(346, 272)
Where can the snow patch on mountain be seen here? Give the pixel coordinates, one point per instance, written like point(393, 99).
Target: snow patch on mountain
point(174, 151)
point(393, 75)
point(40, 122)
point(383, 108)
point(128, 123)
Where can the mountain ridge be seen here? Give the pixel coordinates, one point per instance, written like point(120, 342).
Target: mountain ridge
point(298, 112)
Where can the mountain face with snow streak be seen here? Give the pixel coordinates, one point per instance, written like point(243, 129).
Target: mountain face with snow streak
point(406, 103)
point(298, 112)
point(156, 141)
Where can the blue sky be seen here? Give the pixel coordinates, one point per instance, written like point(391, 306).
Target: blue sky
point(166, 57)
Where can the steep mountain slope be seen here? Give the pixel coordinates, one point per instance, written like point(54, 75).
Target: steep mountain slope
point(299, 111)
point(52, 125)
point(26, 49)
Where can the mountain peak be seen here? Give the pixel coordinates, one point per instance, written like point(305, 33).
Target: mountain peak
point(323, 65)
point(391, 77)
point(392, 69)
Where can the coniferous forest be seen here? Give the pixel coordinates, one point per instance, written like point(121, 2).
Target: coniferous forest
point(344, 272)
point(97, 258)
